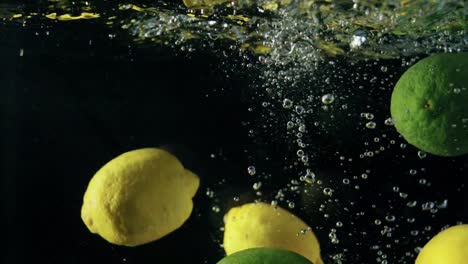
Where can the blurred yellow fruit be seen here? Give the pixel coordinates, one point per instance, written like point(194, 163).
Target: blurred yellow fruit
point(138, 197)
point(448, 247)
point(203, 3)
point(263, 225)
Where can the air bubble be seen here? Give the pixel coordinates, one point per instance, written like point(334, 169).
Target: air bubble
point(368, 116)
point(328, 191)
point(422, 154)
point(209, 193)
point(371, 125)
point(328, 98)
point(216, 209)
point(443, 204)
point(428, 206)
point(302, 128)
point(256, 186)
point(251, 170)
point(299, 109)
point(309, 177)
point(300, 153)
point(287, 103)
point(389, 121)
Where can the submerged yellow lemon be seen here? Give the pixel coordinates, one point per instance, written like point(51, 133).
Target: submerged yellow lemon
point(448, 247)
point(138, 197)
point(262, 225)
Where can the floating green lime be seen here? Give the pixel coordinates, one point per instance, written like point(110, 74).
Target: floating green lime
point(264, 256)
point(430, 104)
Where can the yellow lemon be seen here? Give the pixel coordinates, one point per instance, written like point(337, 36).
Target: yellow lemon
point(203, 3)
point(138, 197)
point(448, 247)
point(256, 225)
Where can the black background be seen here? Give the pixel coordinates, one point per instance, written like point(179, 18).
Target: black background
point(67, 107)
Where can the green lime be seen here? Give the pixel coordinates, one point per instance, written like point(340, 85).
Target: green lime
point(429, 104)
point(264, 256)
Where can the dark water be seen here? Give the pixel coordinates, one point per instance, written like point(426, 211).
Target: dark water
point(68, 106)
point(76, 94)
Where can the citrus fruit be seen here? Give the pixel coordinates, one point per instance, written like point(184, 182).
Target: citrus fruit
point(203, 3)
point(138, 197)
point(263, 225)
point(448, 247)
point(430, 104)
point(264, 256)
